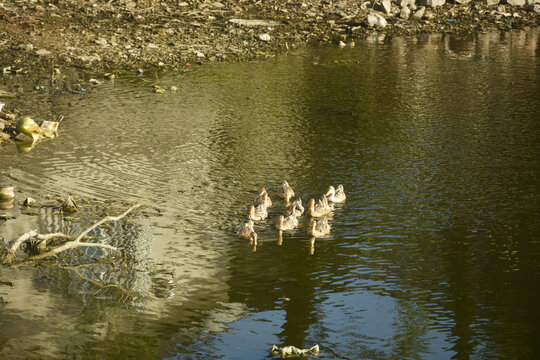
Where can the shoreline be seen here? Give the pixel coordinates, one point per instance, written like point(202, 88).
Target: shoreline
point(49, 48)
point(170, 34)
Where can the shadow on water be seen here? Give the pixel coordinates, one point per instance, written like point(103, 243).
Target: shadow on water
point(435, 254)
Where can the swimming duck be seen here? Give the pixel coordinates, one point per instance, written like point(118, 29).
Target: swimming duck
point(258, 213)
point(295, 209)
point(318, 228)
point(286, 223)
point(247, 232)
point(336, 195)
point(319, 209)
point(285, 191)
point(263, 198)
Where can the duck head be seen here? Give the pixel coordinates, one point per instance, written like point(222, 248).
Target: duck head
point(331, 191)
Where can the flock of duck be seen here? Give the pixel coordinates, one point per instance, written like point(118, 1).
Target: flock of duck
point(317, 211)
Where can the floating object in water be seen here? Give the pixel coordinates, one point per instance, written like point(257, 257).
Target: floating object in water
point(69, 206)
point(28, 126)
point(293, 351)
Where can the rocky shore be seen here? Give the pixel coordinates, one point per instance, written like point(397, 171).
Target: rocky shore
point(97, 37)
point(125, 34)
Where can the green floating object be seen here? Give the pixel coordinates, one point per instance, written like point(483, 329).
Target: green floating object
point(28, 126)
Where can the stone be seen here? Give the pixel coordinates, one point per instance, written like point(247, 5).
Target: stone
point(366, 5)
point(432, 3)
point(264, 37)
point(492, 2)
point(420, 13)
point(386, 6)
point(217, 5)
point(516, 2)
point(405, 12)
point(43, 52)
point(462, 1)
point(376, 20)
point(102, 42)
point(254, 22)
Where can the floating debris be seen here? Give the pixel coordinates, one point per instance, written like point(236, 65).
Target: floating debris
point(293, 351)
point(69, 206)
point(7, 193)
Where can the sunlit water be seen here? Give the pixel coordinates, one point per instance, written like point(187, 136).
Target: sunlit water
point(434, 255)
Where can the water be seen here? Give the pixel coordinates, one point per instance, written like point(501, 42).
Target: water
point(434, 255)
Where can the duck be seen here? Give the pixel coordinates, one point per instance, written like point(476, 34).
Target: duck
point(286, 223)
point(319, 209)
point(247, 232)
point(336, 195)
point(285, 191)
point(258, 213)
point(318, 228)
point(295, 209)
point(263, 198)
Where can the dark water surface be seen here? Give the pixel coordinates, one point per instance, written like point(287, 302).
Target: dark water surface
point(434, 255)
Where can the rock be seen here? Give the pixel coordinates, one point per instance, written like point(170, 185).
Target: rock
point(432, 3)
point(199, 54)
point(6, 94)
point(376, 20)
point(254, 22)
point(405, 12)
point(43, 52)
point(420, 13)
point(516, 2)
point(102, 42)
point(28, 47)
point(386, 6)
point(217, 5)
point(366, 5)
point(264, 37)
point(462, 1)
point(492, 2)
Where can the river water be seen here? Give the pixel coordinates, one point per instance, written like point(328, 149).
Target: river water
point(434, 255)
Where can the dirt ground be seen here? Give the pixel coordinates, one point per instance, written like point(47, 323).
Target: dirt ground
point(99, 36)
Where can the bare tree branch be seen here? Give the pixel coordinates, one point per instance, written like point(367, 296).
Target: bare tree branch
point(69, 245)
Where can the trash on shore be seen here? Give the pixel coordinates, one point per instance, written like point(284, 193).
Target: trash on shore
point(30, 132)
point(7, 193)
point(69, 206)
point(293, 351)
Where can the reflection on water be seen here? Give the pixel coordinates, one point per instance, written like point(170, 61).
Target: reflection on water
point(435, 254)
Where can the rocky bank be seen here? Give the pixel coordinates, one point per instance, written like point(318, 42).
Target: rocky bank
point(38, 36)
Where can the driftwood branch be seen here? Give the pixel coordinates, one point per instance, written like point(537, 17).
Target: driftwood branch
point(69, 245)
point(77, 242)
